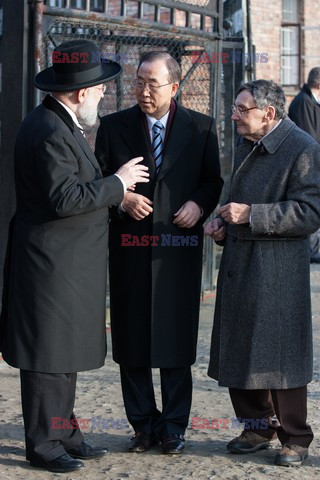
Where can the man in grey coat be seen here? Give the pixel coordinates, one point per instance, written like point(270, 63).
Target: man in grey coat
point(53, 315)
point(262, 333)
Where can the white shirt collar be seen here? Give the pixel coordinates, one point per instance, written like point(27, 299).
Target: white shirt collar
point(316, 98)
point(151, 120)
point(71, 113)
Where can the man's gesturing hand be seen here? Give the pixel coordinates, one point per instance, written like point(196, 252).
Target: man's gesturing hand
point(216, 229)
point(235, 213)
point(188, 215)
point(132, 172)
point(136, 205)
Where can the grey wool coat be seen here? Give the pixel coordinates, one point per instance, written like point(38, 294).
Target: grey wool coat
point(53, 315)
point(262, 332)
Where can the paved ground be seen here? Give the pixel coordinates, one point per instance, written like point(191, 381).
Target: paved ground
point(99, 404)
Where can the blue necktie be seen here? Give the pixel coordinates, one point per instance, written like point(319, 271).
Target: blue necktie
point(157, 144)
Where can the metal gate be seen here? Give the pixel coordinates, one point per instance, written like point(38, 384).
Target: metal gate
point(123, 30)
point(191, 30)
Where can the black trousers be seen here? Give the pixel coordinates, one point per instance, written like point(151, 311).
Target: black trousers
point(47, 404)
point(289, 405)
point(140, 404)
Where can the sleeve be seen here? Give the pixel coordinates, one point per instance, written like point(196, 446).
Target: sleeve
point(57, 167)
point(208, 192)
point(299, 214)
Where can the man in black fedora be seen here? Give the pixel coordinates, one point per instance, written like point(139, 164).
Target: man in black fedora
point(54, 297)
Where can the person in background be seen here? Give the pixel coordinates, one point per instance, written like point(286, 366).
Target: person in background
point(304, 111)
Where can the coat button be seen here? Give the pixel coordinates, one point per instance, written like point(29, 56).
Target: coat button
point(234, 239)
point(230, 273)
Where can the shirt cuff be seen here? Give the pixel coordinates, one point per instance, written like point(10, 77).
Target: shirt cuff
point(123, 183)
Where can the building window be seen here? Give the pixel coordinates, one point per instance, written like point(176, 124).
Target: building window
point(290, 43)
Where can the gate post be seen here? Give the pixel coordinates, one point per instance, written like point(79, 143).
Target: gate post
point(13, 106)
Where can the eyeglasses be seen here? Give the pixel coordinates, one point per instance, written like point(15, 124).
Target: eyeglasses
point(152, 87)
point(240, 110)
point(102, 88)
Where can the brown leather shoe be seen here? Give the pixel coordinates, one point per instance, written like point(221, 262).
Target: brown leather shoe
point(291, 456)
point(249, 442)
point(141, 442)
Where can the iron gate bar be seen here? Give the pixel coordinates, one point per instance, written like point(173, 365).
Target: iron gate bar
point(170, 4)
point(127, 22)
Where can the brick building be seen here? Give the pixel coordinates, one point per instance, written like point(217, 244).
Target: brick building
point(286, 30)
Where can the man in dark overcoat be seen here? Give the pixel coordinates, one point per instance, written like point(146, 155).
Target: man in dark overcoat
point(262, 333)
point(156, 248)
point(304, 111)
point(53, 316)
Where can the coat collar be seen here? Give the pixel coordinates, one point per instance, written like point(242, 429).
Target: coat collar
point(272, 142)
point(51, 103)
point(136, 138)
point(306, 90)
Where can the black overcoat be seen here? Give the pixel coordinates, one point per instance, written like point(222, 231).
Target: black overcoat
point(53, 312)
point(304, 111)
point(155, 290)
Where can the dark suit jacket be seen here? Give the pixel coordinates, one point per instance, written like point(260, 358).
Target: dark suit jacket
point(155, 290)
point(54, 310)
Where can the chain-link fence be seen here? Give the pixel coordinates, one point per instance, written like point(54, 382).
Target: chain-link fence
point(126, 47)
point(205, 83)
point(191, 30)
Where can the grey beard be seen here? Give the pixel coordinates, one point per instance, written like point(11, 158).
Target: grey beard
point(89, 116)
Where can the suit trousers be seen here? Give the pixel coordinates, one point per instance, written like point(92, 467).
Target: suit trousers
point(289, 405)
point(314, 243)
point(140, 403)
point(47, 404)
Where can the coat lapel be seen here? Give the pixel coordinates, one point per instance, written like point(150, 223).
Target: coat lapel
point(180, 134)
point(52, 104)
point(135, 136)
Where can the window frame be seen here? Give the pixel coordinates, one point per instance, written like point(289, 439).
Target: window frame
point(296, 24)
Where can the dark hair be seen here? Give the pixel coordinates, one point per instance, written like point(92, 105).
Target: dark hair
point(265, 93)
point(314, 77)
point(172, 65)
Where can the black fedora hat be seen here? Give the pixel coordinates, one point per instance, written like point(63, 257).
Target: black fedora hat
point(76, 64)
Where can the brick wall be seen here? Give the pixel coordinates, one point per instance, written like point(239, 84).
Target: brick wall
point(265, 27)
point(310, 36)
point(266, 18)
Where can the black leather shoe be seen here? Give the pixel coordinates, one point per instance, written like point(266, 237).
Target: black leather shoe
point(173, 443)
point(86, 451)
point(141, 442)
point(61, 464)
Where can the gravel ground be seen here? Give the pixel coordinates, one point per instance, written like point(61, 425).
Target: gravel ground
point(99, 404)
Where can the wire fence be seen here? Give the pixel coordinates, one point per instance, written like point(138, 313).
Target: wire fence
point(205, 83)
